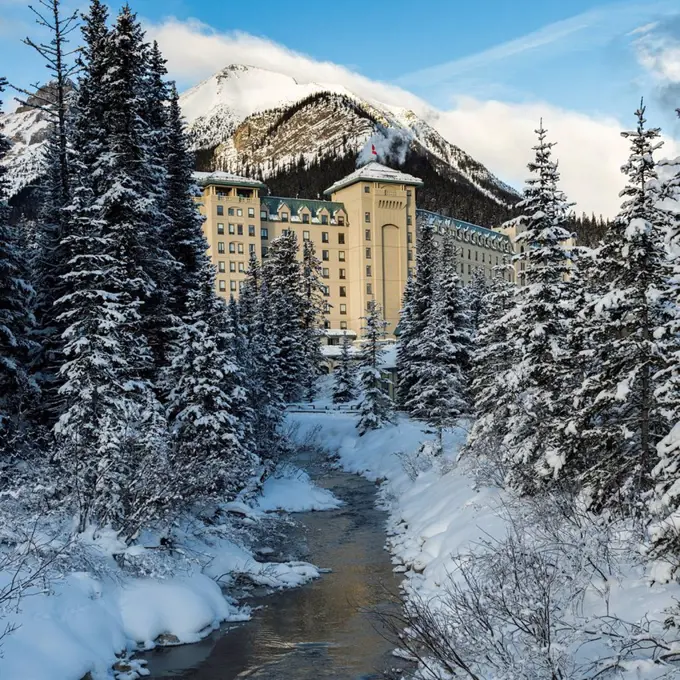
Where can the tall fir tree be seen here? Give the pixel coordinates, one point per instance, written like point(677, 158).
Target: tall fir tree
point(417, 302)
point(18, 389)
point(538, 328)
point(282, 272)
point(312, 314)
point(620, 416)
point(344, 379)
point(375, 408)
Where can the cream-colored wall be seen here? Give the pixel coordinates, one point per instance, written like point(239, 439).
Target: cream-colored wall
point(389, 207)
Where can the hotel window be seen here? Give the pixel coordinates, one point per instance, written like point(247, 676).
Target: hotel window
point(367, 217)
point(305, 236)
point(483, 260)
point(341, 255)
point(369, 270)
point(409, 221)
point(326, 324)
point(367, 234)
point(264, 233)
point(240, 248)
point(232, 247)
point(240, 229)
point(325, 255)
point(220, 210)
point(476, 255)
point(220, 246)
point(251, 230)
point(341, 220)
point(232, 285)
point(251, 247)
point(221, 266)
point(324, 237)
point(408, 193)
point(241, 267)
point(284, 217)
point(263, 215)
point(326, 290)
point(240, 286)
point(251, 212)
point(368, 253)
point(469, 268)
point(239, 212)
point(305, 218)
point(232, 228)
point(343, 274)
point(369, 289)
point(325, 273)
point(343, 291)
point(462, 267)
point(367, 189)
point(231, 211)
point(223, 285)
point(232, 266)
point(343, 309)
point(469, 255)
point(265, 250)
point(341, 239)
point(409, 237)
point(324, 219)
point(410, 255)
point(220, 228)
point(343, 325)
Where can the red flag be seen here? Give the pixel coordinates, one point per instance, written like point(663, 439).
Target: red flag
point(373, 151)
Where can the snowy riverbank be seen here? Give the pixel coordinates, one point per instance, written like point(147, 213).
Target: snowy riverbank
point(91, 611)
point(604, 618)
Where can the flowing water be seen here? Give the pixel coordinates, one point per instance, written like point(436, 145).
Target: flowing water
point(321, 630)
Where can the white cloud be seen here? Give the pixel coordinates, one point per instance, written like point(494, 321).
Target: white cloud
point(499, 134)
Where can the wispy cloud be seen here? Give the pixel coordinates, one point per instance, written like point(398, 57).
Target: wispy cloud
point(594, 27)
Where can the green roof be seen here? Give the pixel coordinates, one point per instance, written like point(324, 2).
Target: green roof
point(273, 203)
point(433, 218)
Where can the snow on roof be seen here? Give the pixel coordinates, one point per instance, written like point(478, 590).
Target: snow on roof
point(375, 172)
point(225, 179)
point(274, 203)
point(437, 220)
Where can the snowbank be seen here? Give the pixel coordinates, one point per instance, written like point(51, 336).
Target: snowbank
point(78, 623)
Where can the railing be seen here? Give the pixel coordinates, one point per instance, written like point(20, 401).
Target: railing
point(321, 408)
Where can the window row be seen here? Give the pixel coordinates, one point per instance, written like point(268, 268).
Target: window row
point(342, 290)
point(327, 325)
point(235, 212)
point(233, 266)
point(233, 285)
point(285, 217)
point(235, 247)
point(236, 229)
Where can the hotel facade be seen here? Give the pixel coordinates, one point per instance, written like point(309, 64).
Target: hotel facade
point(365, 236)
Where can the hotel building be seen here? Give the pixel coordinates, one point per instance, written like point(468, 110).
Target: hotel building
point(365, 236)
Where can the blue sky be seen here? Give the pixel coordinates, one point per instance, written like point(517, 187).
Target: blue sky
point(565, 59)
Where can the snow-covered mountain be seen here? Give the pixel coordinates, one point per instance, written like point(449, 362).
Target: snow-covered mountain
point(248, 117)
point(251, 120)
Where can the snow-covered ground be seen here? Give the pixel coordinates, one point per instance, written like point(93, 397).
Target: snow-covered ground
point(438, 512)
point(91, 617)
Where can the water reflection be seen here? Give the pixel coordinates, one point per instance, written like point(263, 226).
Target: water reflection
point(319, 631)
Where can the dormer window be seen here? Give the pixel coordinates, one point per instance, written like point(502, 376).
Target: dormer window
point(305, 218)
point(284, 217)
point(341, 220)
point(324, 219)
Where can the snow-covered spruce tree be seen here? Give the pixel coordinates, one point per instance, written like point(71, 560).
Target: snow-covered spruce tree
point(492, 365)
point(17, 388)
point(664, 506)
point(250, 291)
point(476, 291)
point(344, 378)
point(110, 433)
point(417, 301)
point(620, 416)
point(538, 327)
point(282, 272)
point(312, 314)
point(376, 406)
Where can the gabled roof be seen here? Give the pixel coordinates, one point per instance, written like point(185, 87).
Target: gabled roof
point(435, 219)
point(375, 172)
point(273, 203)
point(226, 179)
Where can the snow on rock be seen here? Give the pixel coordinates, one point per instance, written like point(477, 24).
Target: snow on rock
point(291, 489)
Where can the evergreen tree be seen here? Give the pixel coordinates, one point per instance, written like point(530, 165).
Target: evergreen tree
point(417, 301)
point(17, 387)
point(103, 429)
point(538, 328)
point(620, 415)
point(282, 273)
point(344, 380)
point(477, 289)
point(376, 406)
point(312, 313)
